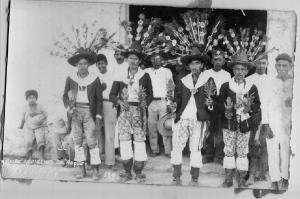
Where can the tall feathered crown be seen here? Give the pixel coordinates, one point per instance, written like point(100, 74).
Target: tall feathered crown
point(245, 40)
point(150, 33)
point(92, 39)
point(195, 32)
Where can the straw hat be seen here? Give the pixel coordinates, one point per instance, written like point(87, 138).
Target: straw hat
point(58, 126)
point(164, 125)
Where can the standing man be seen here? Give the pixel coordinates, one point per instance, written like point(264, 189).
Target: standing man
point(85, 108)
point(106, 76)
point(257, 145)
point(215, 144)
point(158, 107)
point(126, 93)
point(237, 99)
point(276, 119)
point(192, 115)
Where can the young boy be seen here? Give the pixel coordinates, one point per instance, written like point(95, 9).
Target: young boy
point(35, 117)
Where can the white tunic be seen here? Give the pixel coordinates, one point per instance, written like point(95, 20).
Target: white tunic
point(274, 110)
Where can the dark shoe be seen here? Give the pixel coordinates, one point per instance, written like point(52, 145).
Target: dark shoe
point(154, 154)
point(228, 182)
point(207, 160)
point(168, 155)
point(125, 177)
point(274, 186)
point(96, 175)
point(194, 182)
point(82, 173)
point(285, 184)
point(140, 178)
point(176, 181)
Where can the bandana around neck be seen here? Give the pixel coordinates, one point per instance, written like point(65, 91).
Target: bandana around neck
point(90, 78)
point(242, 89)
point(188, 81)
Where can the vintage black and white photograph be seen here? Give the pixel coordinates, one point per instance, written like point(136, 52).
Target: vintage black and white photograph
point(154, 95)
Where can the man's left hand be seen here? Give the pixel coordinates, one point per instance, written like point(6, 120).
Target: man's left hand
point(99, 123)
point(208, 102)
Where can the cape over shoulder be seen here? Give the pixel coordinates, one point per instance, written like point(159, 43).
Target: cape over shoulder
point(187, 81)
point(90, 78)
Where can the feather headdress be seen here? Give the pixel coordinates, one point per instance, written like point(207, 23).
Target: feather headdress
point(92, 39)
point(195, 32)
point(150, 33)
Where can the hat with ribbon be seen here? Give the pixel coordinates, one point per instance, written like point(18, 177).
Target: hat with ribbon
point(36, 121)
point(58, 126)
point(164, 125)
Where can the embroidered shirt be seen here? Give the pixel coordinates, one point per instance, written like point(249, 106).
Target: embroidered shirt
point(82, 96)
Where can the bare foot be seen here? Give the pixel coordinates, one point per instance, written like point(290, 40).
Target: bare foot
point(250, 181)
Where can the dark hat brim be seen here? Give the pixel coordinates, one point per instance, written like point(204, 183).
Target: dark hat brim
point(129, 52)
point(160, 125)
point(204, 58)
point(90, 57)
point(249, 65)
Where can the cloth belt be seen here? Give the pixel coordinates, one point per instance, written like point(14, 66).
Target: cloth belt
point(105, 100)
point(159, 98)
point(82, 105)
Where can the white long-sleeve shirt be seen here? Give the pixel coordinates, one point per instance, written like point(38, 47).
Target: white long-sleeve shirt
point(274, 111)
point(159, 79)
point(113, 73)
point(219, 77)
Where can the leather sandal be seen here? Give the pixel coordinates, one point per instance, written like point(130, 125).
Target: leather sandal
point(140, 178)
point(81, 174)
point(125, 177)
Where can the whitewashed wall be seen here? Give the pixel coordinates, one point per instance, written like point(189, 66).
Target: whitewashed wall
point(35, 27)
point(49, 189)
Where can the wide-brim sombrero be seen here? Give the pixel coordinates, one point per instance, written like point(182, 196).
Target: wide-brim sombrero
point(82, 54)
point(164, 125)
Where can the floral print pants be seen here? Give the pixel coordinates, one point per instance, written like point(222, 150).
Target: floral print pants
point(129, 122)
point(236, 143)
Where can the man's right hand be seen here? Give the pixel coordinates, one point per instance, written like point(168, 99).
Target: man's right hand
point(123, 105)
point(268, 131)
point(228, 114)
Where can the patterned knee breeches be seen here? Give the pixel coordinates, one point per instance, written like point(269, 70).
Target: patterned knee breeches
point(196, 131)
point(129, 122)
point(236, 142)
